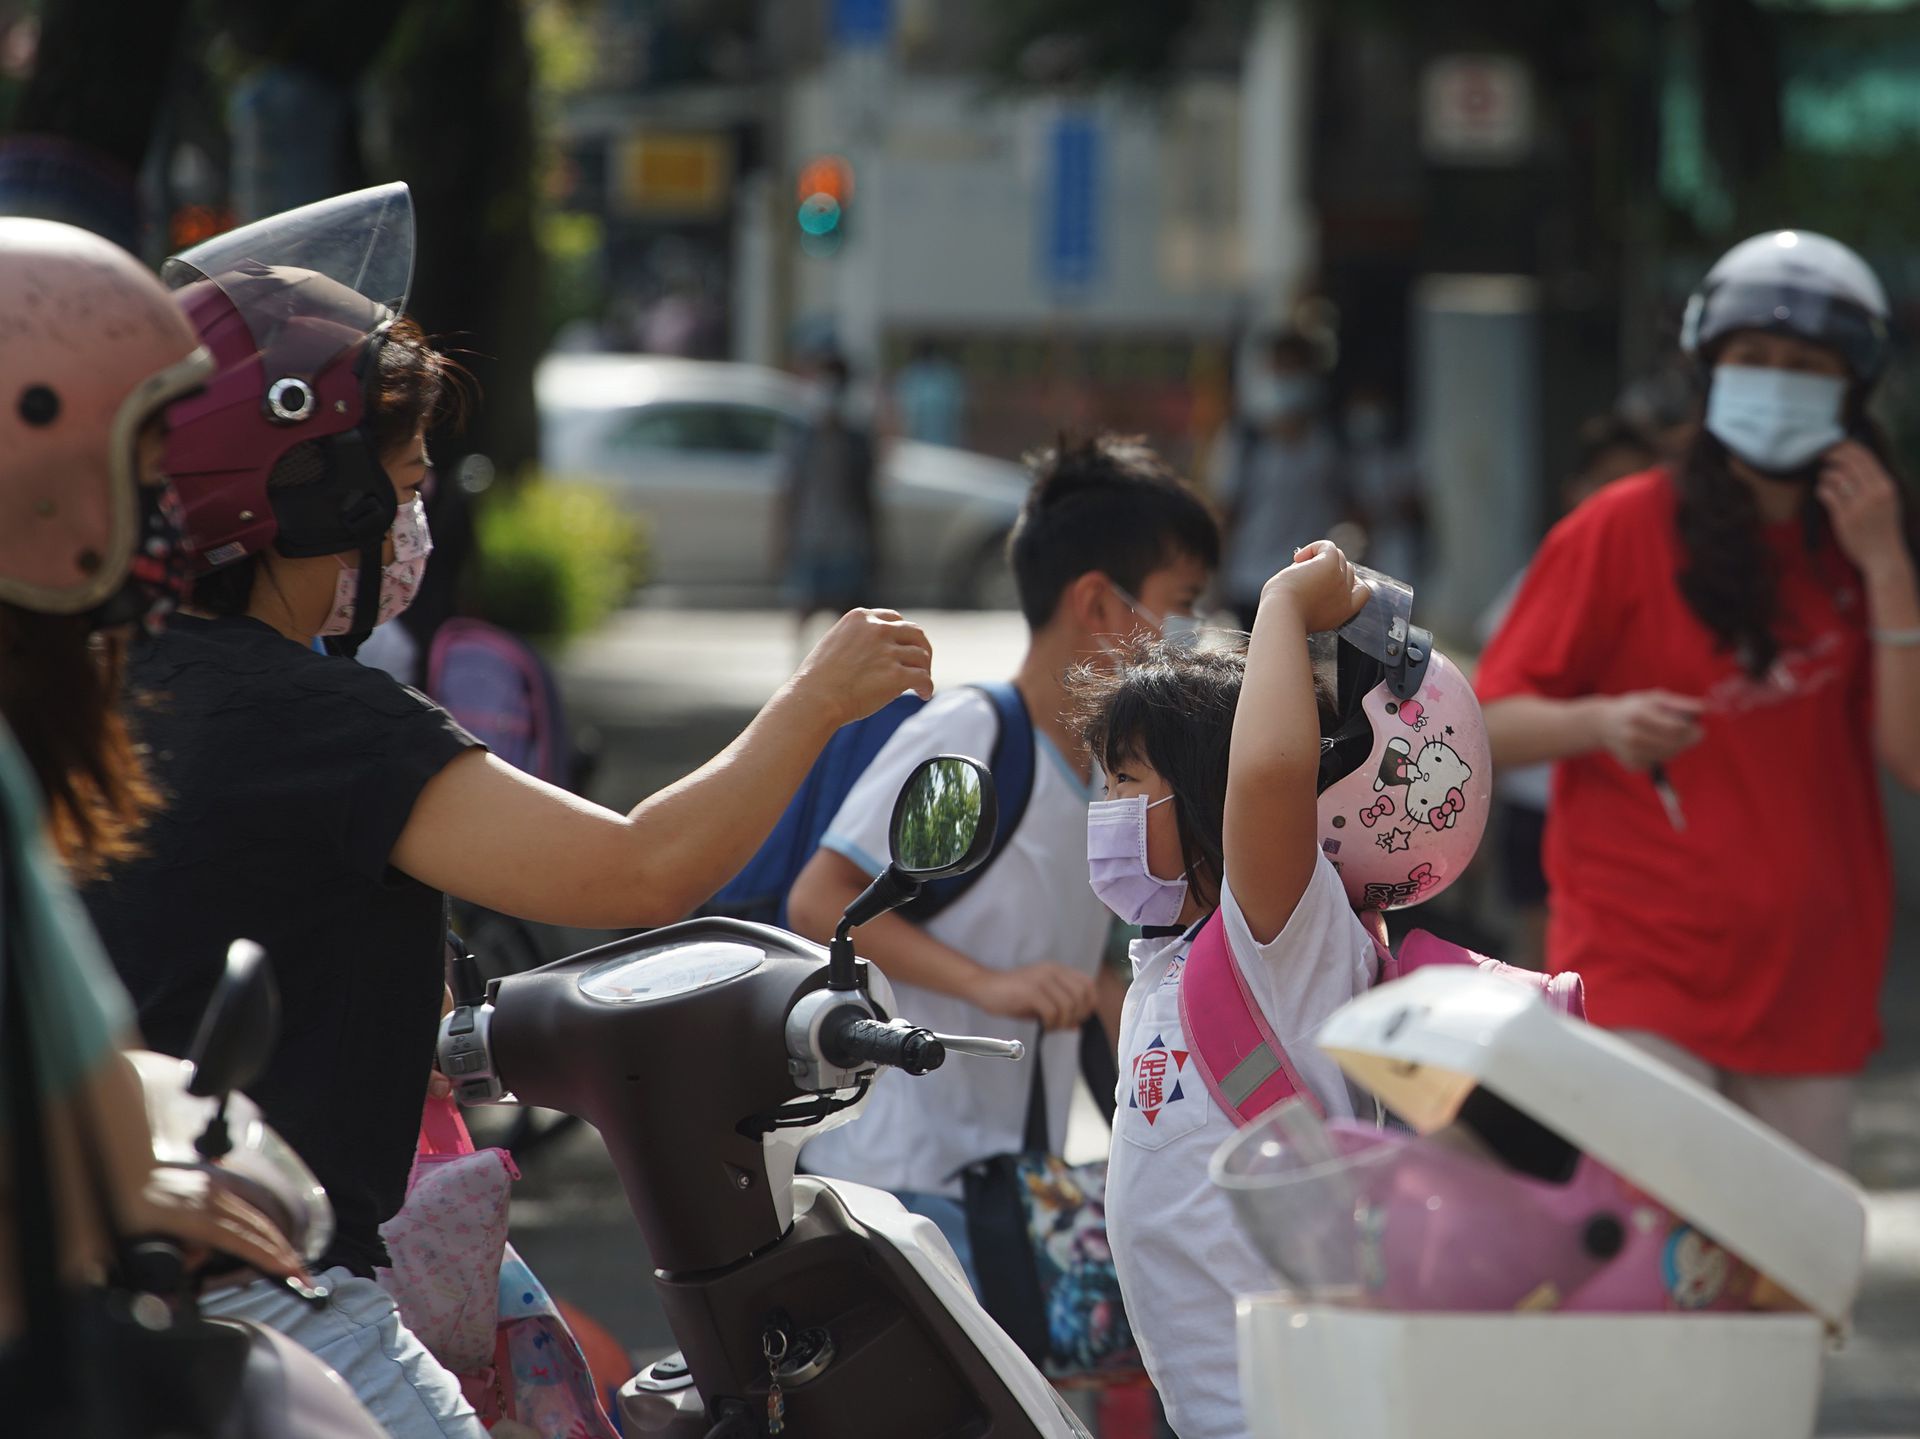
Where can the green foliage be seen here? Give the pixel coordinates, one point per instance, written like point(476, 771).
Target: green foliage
point(572, 243)
point(940, 815)
point(555, 558)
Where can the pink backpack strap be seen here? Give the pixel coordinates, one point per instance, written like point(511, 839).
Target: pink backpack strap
point(1565, 991)
point(1240, 1059)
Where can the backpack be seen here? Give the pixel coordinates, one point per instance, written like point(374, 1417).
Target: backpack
point(759, 891)
point(499, 688)
point(1243, 1063)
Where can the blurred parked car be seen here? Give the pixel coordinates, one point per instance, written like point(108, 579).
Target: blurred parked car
point(696, 446)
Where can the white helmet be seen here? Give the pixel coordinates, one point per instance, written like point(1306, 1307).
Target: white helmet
point(1797, 283)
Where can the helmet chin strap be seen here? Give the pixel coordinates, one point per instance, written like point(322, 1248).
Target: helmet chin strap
point(366, 600)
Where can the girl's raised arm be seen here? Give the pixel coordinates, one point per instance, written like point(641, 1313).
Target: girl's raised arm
point(1271, 826)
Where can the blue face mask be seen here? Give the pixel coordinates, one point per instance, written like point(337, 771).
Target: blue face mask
point(1778, 421)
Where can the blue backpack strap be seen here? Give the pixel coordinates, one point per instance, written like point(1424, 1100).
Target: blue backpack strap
point(1015, 749)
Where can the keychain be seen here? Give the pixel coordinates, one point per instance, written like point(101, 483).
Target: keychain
point(774, 1345)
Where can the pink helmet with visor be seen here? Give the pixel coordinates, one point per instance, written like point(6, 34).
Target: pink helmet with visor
point(1493, 1213)
point(94, 349)
point(294, 308)
point(1406, 777)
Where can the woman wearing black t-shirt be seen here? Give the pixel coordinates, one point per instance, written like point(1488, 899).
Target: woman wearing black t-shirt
point(323, 809)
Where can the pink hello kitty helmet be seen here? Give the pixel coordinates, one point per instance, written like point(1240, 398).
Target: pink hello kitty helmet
point(1406, 777)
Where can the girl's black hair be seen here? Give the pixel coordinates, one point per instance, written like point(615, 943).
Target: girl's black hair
point(1173, 706)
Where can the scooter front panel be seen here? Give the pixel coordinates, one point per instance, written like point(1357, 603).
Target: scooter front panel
point(671, 971)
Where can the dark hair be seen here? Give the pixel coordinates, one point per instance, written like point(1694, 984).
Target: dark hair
point(1107, 503)
point(59, 693)
point(1290, 347)
point(1600, 433)
point(1173, 706)
point(1728, 577)
point(413, 385)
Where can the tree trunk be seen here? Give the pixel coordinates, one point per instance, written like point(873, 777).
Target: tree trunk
point(459, 82)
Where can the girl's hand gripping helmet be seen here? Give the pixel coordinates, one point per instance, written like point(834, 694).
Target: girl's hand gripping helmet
point(93, 348)
point(277, 448)
point(1793, 282)
point(1405, 774)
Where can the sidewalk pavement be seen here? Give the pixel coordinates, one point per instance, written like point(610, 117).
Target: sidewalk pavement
point(665, 689)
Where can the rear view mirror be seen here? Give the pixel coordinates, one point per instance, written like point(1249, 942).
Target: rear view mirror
point(239, 1026)
point(944, 820)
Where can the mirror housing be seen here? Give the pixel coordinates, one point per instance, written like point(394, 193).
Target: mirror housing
point(944, 819)
point(239, 1026)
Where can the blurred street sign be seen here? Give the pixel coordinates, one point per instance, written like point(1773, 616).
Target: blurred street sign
point(863, 22)
point(682, 175)
point(1070, 212)
point(1476, 110)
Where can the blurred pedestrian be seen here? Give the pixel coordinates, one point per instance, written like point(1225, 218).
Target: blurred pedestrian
point(930, 397)
point(1607, 448)
point(1662, 407)
point(1276, 470)
point(1717, 655)
point(828, 532)
point(1387, 489)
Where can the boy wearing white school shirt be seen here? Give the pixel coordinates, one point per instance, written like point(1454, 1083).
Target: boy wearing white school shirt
point(1109, 544)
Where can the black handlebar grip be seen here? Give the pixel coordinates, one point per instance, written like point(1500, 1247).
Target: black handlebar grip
point(850, 1040)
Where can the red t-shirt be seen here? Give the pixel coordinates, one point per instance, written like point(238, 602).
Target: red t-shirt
point(1756, 936)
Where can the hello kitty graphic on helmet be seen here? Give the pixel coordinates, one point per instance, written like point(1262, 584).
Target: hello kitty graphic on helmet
point(1406, 777)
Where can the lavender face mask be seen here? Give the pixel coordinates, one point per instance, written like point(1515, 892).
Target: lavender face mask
point(1117, 863)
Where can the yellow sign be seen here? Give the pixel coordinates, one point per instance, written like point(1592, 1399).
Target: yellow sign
point(674, 175)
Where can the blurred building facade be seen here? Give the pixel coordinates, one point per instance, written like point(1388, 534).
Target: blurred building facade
point(1493, 211)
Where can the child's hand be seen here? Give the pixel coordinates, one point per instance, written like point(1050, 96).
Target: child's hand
point(1321, 587)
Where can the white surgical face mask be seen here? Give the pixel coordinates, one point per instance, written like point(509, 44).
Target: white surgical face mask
point(399, 581)
point(1117, 863)
point(1777, 421)
point(1266, 397)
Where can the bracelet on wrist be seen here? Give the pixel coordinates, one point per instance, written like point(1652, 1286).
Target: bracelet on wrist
point(1899, 639)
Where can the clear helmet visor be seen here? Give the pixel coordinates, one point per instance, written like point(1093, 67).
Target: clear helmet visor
point(312, 282)
point(1843, 325)
point(1368, 1219)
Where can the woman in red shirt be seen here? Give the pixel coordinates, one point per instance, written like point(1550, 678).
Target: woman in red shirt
point(1717, 655)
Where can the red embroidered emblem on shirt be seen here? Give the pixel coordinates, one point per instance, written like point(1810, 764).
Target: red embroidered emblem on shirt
point(1153, 1068)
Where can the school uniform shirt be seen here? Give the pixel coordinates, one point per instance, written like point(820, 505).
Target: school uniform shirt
point(1178, 1248)
point(287, 777)
point(1756, 935)
point(1032, 905)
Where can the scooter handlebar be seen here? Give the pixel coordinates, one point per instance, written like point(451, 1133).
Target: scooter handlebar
point(981, 1047)
point(852, 1041)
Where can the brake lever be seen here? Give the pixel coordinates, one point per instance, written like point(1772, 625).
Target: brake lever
point(981, 1048)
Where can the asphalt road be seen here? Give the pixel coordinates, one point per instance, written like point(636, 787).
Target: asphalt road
point(664, 689)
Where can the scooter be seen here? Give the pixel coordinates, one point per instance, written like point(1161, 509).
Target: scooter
point(706, 1053)
point(201, 1376)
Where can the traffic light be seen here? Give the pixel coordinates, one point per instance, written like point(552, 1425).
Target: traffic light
point(825, 190)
